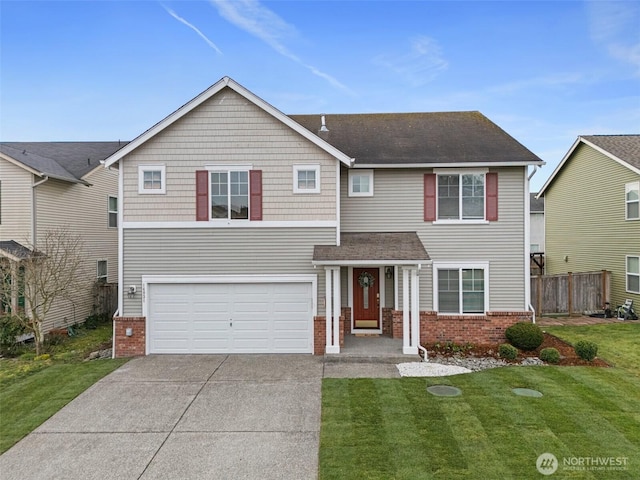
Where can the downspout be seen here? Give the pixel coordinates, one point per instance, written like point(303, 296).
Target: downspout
point(527, 244)
point(34, 225)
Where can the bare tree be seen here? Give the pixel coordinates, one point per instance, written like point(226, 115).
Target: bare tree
point(53, 271)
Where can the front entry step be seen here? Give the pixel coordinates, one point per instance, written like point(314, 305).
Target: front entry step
point(373, 358)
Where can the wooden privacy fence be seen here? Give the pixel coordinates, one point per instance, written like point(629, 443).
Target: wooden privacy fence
point(105, 298)
point(570, 293)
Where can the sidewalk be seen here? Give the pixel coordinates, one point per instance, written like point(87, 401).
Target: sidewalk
point(568, 321)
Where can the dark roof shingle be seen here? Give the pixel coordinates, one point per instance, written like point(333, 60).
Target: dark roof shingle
point(419, 138)
point(396, 247)
point(625, 147)
point(64, 160)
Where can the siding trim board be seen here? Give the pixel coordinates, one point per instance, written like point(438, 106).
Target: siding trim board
point(231, 224)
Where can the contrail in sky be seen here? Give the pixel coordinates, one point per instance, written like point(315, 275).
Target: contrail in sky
point(194, 28)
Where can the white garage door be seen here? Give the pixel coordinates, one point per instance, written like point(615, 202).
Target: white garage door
point(230, 318)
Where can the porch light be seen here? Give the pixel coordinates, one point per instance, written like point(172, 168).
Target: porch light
point(388, 272)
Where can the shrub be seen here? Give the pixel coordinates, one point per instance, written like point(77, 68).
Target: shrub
point(549, 355)
point(586, 350)
point(524, 335)
point(508, 351)
point(10, 329)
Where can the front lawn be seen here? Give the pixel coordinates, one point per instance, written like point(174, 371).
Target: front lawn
point(394, 429)
point(618, 343)
point(33, 389)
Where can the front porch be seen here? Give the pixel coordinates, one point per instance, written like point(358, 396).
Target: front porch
point(380, 274)
point(371, 349)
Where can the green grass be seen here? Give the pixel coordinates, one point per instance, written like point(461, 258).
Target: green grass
point(618, 343)
point(394, 429)
point(32, 390)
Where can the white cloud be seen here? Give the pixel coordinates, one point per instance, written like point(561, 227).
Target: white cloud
point(194, 28)
point(421, 64)
point(259, 21)
point(614, 26)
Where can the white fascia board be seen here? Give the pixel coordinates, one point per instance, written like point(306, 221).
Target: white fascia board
point(570, 152)
point(448, 165)
point(611, 156)
point(207, 94)
point(560, 165)
point(21, 165)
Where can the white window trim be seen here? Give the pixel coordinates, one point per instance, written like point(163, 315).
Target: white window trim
point(627, 188)
point(361, 173)
point(459, 266)
point(627, 274)
point(459, 172)
point(106, 275)
point(228, 169)
point(301, 168)
point(109, 211)
point(163, 179)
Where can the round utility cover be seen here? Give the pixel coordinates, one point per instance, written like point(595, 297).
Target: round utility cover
point(526, 392)
point(444, 391)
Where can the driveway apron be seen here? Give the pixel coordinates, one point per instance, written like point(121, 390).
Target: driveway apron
point(183, 417)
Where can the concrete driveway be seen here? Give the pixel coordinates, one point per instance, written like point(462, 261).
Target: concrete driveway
point(184, 417)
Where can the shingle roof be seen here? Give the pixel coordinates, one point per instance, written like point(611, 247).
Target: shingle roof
point(397, 247)
point(14, 249)
point(625, 147)
point(419, 138)
point(68, 161)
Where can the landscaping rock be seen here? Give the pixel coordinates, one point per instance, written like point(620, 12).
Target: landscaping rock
point(106, 353)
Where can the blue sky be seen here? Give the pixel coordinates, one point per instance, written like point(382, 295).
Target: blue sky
point(546, 72)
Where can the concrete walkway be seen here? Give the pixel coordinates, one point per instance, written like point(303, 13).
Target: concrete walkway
point(583, 320)
point(188, 417)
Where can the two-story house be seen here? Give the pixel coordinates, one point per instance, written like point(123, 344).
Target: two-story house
point(245, 230)
point(58, 185)
point(592, 213)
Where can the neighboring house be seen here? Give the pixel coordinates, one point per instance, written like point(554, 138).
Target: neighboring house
point(592, 212)
point(536, 215)
point(536, 234)
point(244, 230)
point(51, 185)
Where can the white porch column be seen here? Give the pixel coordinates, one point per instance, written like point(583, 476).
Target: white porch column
point(332, 309)
point(415, 312)
point(410, 311)
point(406, 310)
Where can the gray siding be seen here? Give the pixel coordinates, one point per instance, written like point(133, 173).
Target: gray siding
point(242, 251)
point(83, 211)
point(15, 223)
point(228, 130)
point(585, 219)
point(397, 205)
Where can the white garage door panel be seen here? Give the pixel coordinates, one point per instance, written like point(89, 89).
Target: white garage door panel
point(230, 318)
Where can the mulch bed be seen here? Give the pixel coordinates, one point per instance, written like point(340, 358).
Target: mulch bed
point(568, 355)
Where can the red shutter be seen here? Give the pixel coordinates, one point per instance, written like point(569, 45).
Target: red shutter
point(202, 195)
point(255, 189)
point(429, 197)
point(491, 181)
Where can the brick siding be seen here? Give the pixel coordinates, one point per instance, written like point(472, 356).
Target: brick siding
point(479, 330)
point(133, 346)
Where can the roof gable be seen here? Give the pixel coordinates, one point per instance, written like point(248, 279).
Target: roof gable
point(227, 82)
point(430, 139)
point(623, 149)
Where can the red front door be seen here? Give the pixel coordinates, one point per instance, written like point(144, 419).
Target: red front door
point(366, 298)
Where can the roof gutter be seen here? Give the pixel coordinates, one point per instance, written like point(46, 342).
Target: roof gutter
point(345, 263)
point(448, 165)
